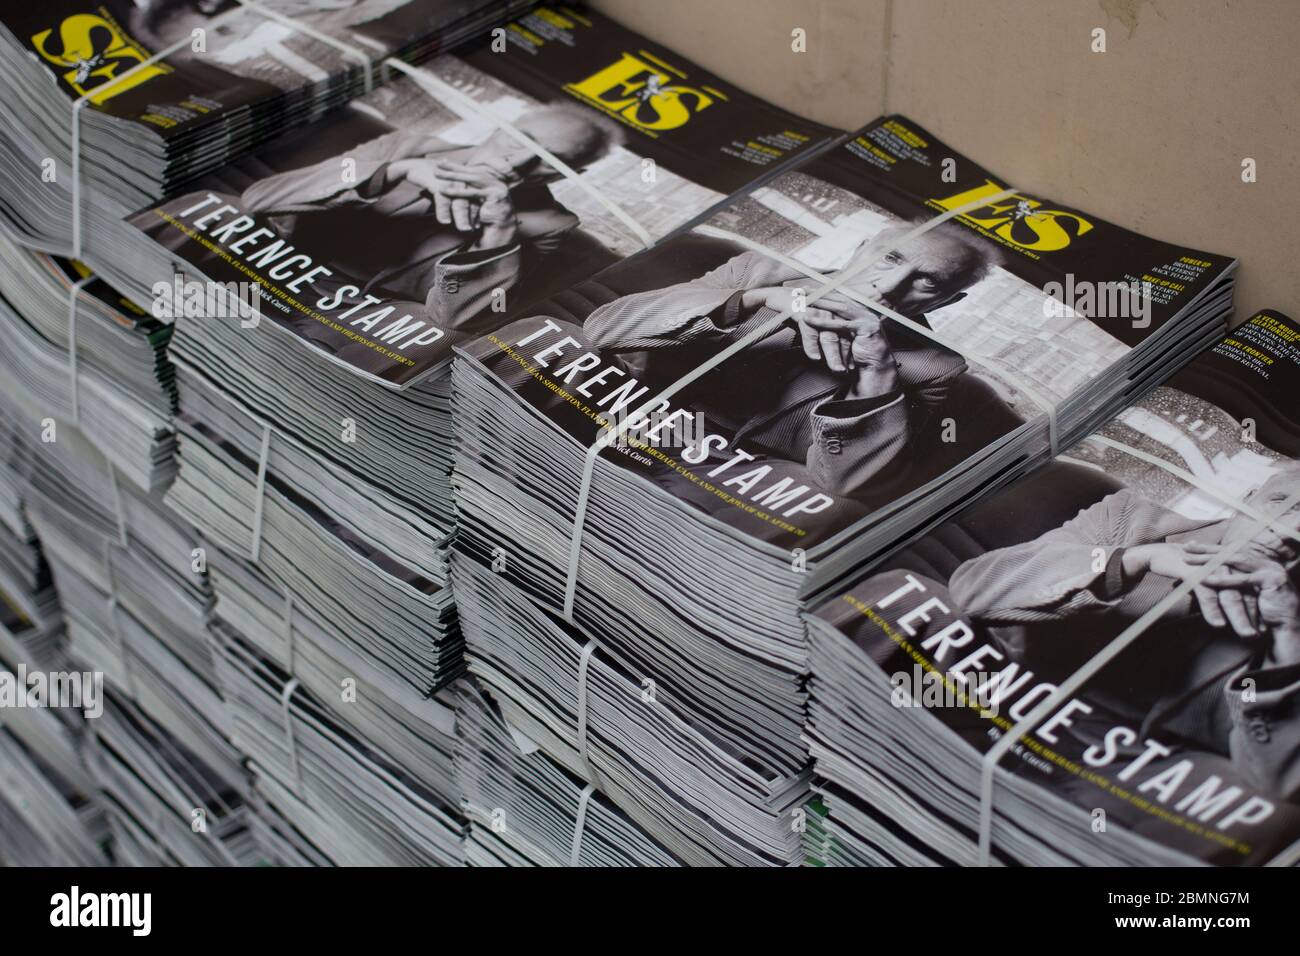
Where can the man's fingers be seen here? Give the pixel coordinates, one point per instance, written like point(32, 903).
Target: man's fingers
point(478, 175)
point(1234, 609)
point(442, 208)
point(1222, 579)
point(424, 178)
point(820, 319)
point(1251, 600)
point(830, 345)
point(460, 214)
point(808, 336)
point(1209, 604)
point(462, 191)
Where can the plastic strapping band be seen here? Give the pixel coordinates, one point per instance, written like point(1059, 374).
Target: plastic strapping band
point(1210, 488)
point(866, 257)
point(1047, 406)
point(584, 665)
point(379, 48)
point(113, 608)
point(73, 380)
point(259, 494)
point(122, 537)
point(315, 34)
point(285, 696)
point(580, 823)
point(1094, 664)
point(438, 88)
point(1288, 857)
point(289, 638)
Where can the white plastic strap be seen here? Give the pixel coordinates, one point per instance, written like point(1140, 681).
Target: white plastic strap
point(259, 494)
point(1211, 488)
point(285, 696)
point(74, 293)
point(1047, 406)
point(122, 537)
point(584, 665)
point(378, 48)
point(289, 638)
point(447, 95)
point(346, 49)
point(580, 823)
point(1094, 664)
point(866, 257)
point(1288, 857)
point(114, 607)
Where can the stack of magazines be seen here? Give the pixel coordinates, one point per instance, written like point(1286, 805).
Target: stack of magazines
point(315, 432)
point(133, 597)
point(1098, 665)
point(49, 814)
point(165, 806)
point(119, 105)
point(33, 622)
point(344, 801)
point(84, 354)
point(525, 809)
point(705, 800)
point(133, 593)
point(350, 765)
point(744, 414)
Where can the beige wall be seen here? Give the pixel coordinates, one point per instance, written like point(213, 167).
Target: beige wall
point(1150, 134)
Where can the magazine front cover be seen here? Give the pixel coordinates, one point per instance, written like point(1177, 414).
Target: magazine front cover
point(840, 410)
point(1191, 735)
point(236, 57)
point(410, 221)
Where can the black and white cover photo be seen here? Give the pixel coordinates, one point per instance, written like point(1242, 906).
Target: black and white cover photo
point(1189, 736)
point(413, 220)
point(945, 336)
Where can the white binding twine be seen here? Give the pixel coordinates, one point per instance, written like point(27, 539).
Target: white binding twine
point(259, 493)
point(74, 390)
point(346, 49)
point(579, 824)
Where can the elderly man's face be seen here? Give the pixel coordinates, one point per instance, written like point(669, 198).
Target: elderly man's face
point(1268, 498)
point(919, 276)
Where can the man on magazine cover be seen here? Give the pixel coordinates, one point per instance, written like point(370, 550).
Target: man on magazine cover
point(837, 388)
point(416, 218)
point(1220, 671)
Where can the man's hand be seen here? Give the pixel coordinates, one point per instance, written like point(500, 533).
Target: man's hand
point(844, 334)
point(1221, 605)
point(471, 198)
point(1269, 596)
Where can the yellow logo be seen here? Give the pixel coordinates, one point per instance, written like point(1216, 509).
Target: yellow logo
point(642, 91)
point(1020, 220)
point(96, 52)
